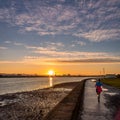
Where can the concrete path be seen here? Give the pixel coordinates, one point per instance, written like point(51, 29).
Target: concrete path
point(92, 110)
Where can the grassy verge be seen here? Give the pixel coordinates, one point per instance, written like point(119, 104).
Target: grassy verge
point(115, 82)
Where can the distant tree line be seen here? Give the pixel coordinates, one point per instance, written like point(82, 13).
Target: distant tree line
point(118, 75)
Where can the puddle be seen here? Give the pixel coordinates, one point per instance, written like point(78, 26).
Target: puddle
point(93, 80)
point(2, 103)
point(111, 93)
point(104, 89)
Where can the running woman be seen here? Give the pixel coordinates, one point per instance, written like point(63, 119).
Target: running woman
point(98, 86)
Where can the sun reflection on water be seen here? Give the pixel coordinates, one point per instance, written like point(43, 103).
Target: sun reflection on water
point(50, 81)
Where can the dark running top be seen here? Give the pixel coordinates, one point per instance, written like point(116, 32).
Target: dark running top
point(99, 84)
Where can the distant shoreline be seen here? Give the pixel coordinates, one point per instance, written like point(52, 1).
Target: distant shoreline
point(30, 76)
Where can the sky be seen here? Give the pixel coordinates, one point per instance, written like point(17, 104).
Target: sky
point(67, 36)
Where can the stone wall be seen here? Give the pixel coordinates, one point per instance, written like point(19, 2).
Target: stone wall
point(68, 108)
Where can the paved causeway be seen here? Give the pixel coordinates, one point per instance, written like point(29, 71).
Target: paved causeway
point(92, 110)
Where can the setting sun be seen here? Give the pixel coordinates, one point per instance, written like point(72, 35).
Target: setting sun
point(51, 72)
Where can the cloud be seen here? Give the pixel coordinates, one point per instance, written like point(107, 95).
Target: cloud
point(3, 48)
point(7, 42)
point(93, 20)
point(101, 35)
point(107, 60)
point(77, 42)
point(4, 14)
point(75, 60)
point(46, 46)
point(53, 54)
point(81, 43)
point(10, 62)
point(14, 43)
point(36, 60)
point(18, 44)
point(67, 14)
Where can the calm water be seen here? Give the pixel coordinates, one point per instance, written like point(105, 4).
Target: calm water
point(12, 85)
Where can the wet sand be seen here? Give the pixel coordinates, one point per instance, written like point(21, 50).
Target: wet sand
point(33, 105)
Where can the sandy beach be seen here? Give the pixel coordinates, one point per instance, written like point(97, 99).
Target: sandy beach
point(33, 105)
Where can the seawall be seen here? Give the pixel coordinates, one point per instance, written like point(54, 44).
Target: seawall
point(68, 108)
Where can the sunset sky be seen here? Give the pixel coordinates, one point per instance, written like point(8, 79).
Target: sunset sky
point(67, 36)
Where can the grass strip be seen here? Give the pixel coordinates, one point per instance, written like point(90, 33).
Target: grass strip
point(115, 82)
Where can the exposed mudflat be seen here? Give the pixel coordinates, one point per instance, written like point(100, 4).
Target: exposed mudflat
point(33, 105)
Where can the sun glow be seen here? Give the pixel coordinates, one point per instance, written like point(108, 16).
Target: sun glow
point(51, 73)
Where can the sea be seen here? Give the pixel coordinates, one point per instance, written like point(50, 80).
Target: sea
point(13, 85)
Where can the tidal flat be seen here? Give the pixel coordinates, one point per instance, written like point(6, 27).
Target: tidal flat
point(33, 105)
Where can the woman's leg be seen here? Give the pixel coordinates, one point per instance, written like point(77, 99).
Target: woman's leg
point(98, 97)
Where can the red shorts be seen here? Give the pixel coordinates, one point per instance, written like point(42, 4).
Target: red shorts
point(98, 89)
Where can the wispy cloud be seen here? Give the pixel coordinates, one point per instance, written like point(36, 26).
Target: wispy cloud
point(105, 60)
point(54, 55)
point(64, 60)
point(18, 43)
point(10, 62)
point(14, 43)
point(93, 20)
point(46, 46)
point(3, 48)
point(81, 43)
point(8, 42)
point(35, 60)
point(101, 35)
point(48, 56)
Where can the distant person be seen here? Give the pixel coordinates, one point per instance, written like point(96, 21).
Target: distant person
point(98, 86)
